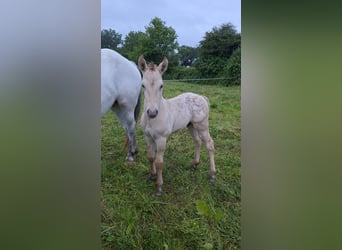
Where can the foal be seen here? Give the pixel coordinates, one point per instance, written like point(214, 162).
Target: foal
point(162, 117)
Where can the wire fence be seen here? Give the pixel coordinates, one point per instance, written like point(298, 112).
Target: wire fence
point(197, 79)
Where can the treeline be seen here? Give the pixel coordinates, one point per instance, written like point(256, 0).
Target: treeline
point(217, 56)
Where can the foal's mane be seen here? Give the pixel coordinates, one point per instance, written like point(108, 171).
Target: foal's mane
point(151, 66)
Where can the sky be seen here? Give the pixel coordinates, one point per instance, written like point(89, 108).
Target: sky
point(189, 18)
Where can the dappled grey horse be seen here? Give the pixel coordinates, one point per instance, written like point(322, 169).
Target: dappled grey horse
point(162, 117)
point(121, 92)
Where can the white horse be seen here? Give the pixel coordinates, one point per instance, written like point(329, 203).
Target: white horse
point(120, 92)
point(162, 117)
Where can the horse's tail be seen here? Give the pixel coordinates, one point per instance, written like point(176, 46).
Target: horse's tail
point(137, 107)
point(136, 116)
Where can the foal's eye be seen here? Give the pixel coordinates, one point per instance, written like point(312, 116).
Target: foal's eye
point(143, 86)
point(161, 86)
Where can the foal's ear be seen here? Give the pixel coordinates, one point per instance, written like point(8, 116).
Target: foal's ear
point(142, 63)
point(163, 65)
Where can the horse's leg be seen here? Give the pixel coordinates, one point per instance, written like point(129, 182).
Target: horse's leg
point(197, 140)
point(161, 144)
point(132, 144)
point(126, 118)
point(209, 143)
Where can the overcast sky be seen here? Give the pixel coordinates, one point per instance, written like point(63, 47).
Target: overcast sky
point(190, 18)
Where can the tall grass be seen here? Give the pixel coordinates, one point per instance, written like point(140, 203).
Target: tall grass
point(191, 213)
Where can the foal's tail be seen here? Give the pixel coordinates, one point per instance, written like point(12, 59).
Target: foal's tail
point(136, 116)
point(207, 99)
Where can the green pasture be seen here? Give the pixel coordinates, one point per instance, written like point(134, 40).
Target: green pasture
point(191, 213)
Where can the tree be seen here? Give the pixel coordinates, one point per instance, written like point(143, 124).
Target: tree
point(133, 45)
point(110, 39)
point(187, 55)
point(220, 42)
point(233, 68)
point(215, 51)
point(160, 40)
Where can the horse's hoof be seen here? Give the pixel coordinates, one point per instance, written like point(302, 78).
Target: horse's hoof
point(159, 191)
point(129, 159)
point(212, 179)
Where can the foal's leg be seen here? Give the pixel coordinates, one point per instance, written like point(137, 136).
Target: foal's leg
point(197, 140)
point(161, 144)
point(209, 143)
point(151, 153)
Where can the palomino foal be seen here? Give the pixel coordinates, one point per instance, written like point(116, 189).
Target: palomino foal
point(162, 117)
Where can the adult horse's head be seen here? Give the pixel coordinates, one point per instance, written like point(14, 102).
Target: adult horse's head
point(152, 84)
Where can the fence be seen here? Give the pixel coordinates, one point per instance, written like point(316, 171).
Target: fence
point(197, 79)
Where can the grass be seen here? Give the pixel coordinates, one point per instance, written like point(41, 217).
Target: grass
point(191, 213)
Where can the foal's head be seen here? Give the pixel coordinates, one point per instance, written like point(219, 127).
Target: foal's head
point(152, 84)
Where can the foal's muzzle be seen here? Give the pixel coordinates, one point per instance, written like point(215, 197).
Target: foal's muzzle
point(152, 113)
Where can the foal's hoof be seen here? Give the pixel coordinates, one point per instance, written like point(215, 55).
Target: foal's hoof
point(194, 167)
point(152, 177)
point(212, 179)
point(159, 191)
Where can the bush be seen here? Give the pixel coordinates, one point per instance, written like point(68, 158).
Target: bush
point(210, 67)
point(181, 72)
point(232, 69)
